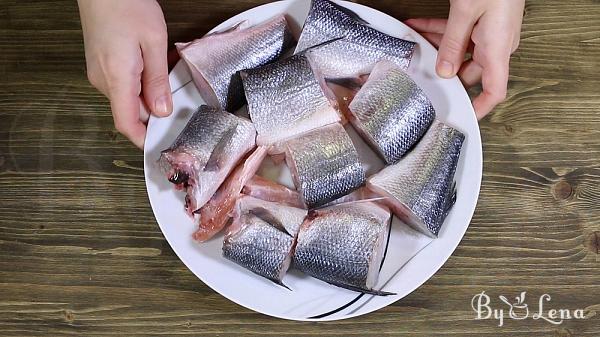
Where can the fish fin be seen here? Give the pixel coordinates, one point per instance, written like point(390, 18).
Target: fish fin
point(351, 14)
point(361, 290)
point(268, 217)
point(217, 157)
point(281, 284)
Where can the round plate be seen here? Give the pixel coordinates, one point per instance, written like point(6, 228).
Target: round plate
point(411, 258)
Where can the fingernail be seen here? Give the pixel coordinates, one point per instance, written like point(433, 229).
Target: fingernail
point(445, 69)
point(161, 105)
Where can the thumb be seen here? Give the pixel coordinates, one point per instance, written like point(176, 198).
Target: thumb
point(455, 42)
point(155, 78)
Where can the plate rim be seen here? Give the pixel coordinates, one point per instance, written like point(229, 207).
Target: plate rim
point(432, 270)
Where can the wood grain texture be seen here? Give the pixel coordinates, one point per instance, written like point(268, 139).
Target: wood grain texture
point(81, 253)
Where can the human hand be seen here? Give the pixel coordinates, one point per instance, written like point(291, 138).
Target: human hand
point(490, 30)
point(126, 56)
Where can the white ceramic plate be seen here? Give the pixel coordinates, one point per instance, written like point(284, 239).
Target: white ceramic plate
point(411, 258)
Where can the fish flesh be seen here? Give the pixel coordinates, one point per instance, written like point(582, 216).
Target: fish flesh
point(205, 152)
point(345, 89)
point(420, 188)
point(268, 190)
point(344, 245)
point(361, 195)
point(216, 59)
point(262, 237)
point(342, 45)
point(215, 215)
point(282, 216)
point(286, 98)
point(391, 112)
point(325, 165)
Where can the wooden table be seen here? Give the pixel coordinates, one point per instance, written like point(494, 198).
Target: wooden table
point(81, 253)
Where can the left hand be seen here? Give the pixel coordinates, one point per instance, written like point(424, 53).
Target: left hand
point(491, 31)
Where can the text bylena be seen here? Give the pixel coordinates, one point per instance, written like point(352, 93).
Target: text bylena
point(520, 310)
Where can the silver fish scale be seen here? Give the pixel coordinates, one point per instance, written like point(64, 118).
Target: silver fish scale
point(391, 112)
point(360, 47)
point(205, 129)
point(326, 165)
point(245, 49)
point(259, 247)
point(285, 98)
point(339, 244)
point(423, 181)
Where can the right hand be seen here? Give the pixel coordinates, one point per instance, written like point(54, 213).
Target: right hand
point(126, 55)
point(490, 30)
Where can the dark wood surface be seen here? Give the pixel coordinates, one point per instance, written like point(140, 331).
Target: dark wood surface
point(81, 253)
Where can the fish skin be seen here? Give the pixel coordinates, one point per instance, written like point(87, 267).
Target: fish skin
point(391, 112)
point(358, 46)
point(216, 59)
point(344, 245)
point(260, 245)
point(217, 157)
point(287, 98)
point(187, 157)
point(325, 165)
point(264, 189)
point(420, 188)
point(217, 212)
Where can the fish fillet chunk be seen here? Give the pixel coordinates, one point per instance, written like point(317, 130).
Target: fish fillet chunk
point(215, 215)
point(391, 112)
point(205, 152)
point(286, 99)
point(216, 59)
point(344, 245)
point(420, 188)
point(342, 45)
point(262, 237)
point(325, 165)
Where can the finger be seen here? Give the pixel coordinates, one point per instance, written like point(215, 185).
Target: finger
point(494, 81)
point(427, 25)
point(144, 112)
point(455, 41)
point(125, 105)
point(155, 77)
point(434, 38)
point(470, 73)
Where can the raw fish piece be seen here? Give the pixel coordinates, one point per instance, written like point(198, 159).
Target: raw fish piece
point(420, 188)
point(325, 165)
point(215, 215)
point(216, 59)
point(286, 99)
point(344, 245)
point(206, 151)
point(391, 112)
